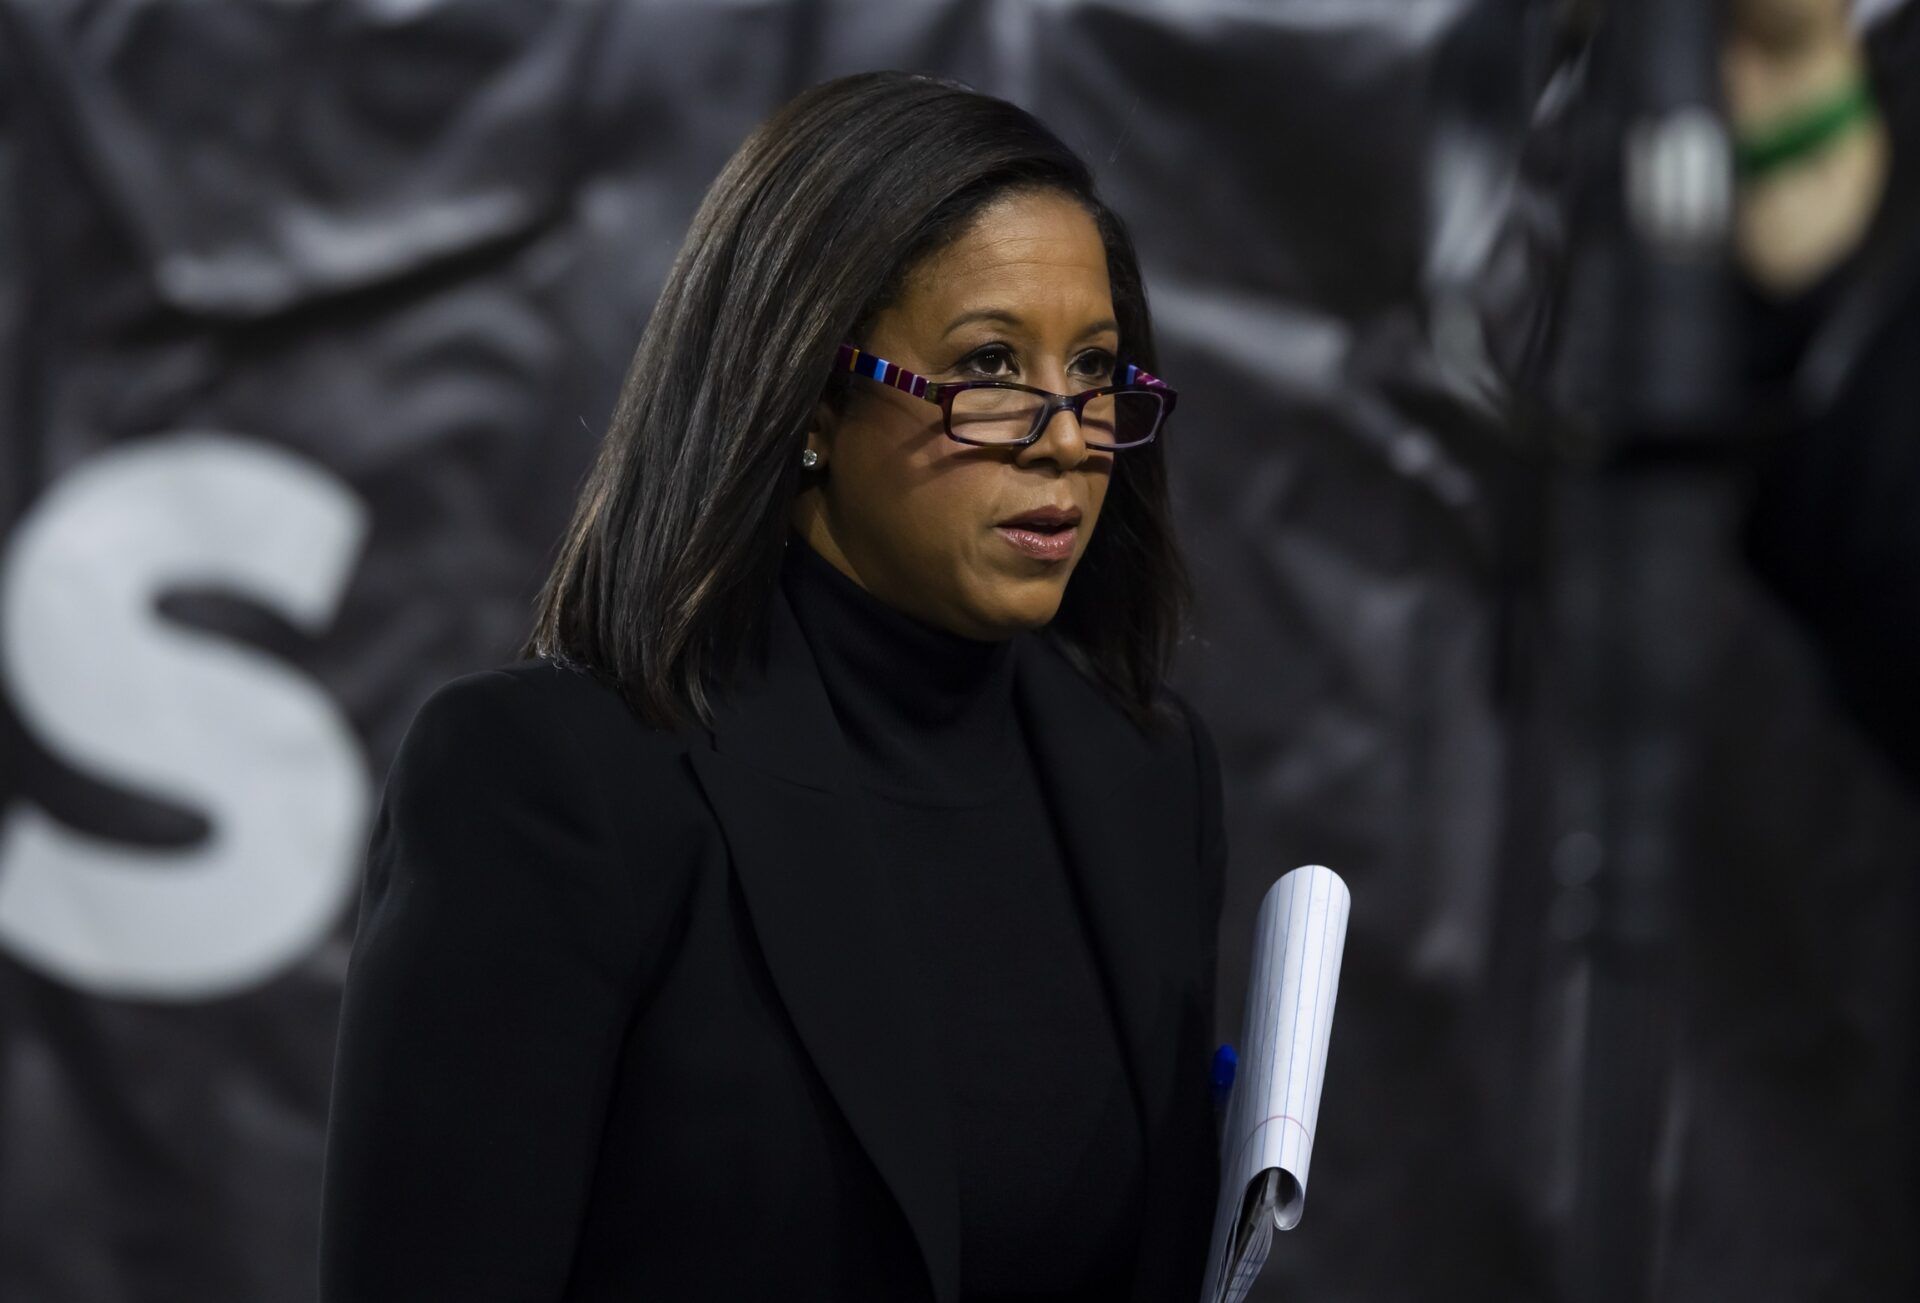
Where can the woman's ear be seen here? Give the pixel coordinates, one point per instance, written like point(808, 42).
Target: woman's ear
point(821, 429)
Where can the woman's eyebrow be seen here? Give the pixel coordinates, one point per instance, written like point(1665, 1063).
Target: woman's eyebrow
point(983, 314)
point(1014, 319)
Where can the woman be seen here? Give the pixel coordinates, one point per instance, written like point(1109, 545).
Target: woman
point(823, 907)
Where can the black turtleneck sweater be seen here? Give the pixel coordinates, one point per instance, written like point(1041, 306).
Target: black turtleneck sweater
point(1046, 1133)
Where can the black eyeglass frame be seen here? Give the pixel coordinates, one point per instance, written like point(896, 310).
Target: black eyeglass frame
point(942, 394)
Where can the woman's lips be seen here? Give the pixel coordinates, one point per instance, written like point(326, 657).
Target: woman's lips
point(1057, 546)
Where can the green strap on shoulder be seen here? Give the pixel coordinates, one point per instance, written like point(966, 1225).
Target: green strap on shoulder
point(1804, 131)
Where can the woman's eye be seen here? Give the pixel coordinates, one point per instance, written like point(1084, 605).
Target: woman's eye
point(1098, 364)
point(984, 362)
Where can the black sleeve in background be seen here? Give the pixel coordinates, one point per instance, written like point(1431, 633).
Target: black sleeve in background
point(483, 1012)
point(1835, 526)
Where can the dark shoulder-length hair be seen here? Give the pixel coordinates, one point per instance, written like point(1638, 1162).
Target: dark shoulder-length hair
point(663, 578)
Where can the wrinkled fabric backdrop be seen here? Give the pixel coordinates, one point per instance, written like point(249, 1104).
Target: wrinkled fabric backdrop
point(311, 315)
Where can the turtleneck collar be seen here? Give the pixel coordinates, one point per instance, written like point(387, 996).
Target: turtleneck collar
point(927, 712)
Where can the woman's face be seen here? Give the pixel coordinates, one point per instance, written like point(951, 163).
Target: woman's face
point(913, 516)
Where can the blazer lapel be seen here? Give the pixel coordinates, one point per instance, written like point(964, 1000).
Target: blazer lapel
point(779, 778)
point(781, 781)
point(1129, 851)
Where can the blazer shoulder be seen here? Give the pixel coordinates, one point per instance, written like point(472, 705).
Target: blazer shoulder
point(531, 718)
point(1189, 732)
point(524, 748)
point(559, 717)
point(597, 714)
point(1081, 692)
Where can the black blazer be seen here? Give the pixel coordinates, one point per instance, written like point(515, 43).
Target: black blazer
point(630, 1015)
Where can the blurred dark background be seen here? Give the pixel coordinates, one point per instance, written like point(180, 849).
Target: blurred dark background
point(1550, 492)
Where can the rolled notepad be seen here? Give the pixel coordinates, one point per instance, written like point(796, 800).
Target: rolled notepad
point(1300, 933)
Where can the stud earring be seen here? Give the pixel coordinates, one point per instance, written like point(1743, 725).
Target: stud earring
point(809, 459)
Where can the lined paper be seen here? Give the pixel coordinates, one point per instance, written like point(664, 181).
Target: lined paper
point(1300, 933)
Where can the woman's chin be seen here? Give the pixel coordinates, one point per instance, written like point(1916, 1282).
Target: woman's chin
point(1016, 604)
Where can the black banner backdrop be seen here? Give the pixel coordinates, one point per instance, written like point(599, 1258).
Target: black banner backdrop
point(311, 313)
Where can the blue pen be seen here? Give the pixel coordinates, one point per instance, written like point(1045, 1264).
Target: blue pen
point(1225, 1060)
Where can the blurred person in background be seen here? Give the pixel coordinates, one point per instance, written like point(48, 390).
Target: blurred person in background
point(1829, 237)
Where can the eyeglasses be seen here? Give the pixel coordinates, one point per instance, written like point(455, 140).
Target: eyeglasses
point(1002, 414)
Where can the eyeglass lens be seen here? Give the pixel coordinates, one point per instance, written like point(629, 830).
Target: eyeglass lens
point(1008, 416)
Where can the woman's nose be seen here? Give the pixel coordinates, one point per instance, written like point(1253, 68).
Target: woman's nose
point(1061, 440)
